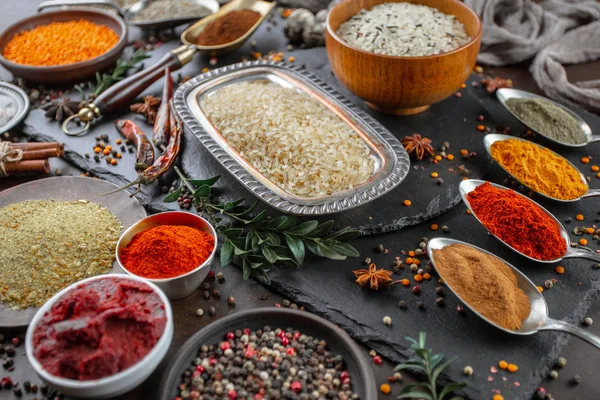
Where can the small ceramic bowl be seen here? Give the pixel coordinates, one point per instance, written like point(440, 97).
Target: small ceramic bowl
point(338, 341)
point(183, 285)
point(395, 84)
point(75, 72)
point(113, 385)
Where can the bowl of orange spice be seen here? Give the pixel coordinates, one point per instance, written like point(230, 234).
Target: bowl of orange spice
point(63, 46)
point(174, 250)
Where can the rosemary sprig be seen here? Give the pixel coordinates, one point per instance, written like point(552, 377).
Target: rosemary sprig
point(431, 366)
point(105, 80)
point(262, 242)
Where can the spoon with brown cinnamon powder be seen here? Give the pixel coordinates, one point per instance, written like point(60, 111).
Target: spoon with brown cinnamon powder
point(495, 290)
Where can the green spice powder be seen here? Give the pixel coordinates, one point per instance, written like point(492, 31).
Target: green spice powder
point(548, 119)
point(48, 245)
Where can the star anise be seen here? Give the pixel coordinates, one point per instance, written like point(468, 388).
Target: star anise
point(148, 108)
point(418, 145)
point(59, 110)
point(492, 84)
point(373, 277)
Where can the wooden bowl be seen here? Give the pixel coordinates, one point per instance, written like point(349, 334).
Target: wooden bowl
point(75, 72)
point(402, 85)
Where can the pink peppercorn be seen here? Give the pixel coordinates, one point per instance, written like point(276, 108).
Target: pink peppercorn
point(296, 386)
point(377, 360)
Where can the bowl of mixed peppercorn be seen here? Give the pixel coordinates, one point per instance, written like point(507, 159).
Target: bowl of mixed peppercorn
point(174, 250)
point(269, 353)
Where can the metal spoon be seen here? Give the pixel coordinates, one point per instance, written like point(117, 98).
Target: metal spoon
point(469, 185)
point(129, 13)
point(538, 319)
point(491, 138)
point(504, 94)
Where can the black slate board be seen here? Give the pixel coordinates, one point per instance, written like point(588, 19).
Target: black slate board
point(328, 288)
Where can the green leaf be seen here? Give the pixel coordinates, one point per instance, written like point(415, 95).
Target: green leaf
point(238, 251)
point(246, 269)
point(275, 222)
point(304, 228)
point(321, 230)
point(344, 235)
point(258, 218)
point(172, 197)
point(345, 249)
point(296, 246)
point(261, 276)
point(248, 210)
point(438, 370)
point(269, 254)
point(287, 224)
point(202, 191)
point(415, 395)
point(273, 237)
point(233, 233)
point(329, 252)
point(248, 241)
point(202, 182)
point(449, 388)
point(457, 398)
point(226, 253)
point(403, 367)
point(435, 360)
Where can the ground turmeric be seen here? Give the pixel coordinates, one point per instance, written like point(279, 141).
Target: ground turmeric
point(539, 169)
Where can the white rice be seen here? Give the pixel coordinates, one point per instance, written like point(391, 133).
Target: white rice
point(404, 29)
point(294, 140)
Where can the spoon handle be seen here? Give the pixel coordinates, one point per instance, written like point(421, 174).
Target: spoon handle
point(594, 138)
point(591, 193)
point(58, 3)
point(582, 253)
point(555, 325)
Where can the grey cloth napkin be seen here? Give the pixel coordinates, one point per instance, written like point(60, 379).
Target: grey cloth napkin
point(555, 32)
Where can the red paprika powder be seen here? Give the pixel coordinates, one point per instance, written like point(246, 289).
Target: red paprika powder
point(167, 251)
point(517, 221)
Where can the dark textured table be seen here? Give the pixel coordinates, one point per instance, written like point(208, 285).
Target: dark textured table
point(249, 294)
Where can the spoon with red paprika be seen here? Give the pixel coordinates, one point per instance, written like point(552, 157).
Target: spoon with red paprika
point(513, 229)
point(538, 319)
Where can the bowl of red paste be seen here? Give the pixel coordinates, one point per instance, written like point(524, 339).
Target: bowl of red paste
point(100, 337)
point(174, 250)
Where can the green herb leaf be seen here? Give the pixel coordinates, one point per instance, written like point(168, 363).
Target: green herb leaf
point(296, 247)
point(449, 388)
point(172, 197)
point(226, 253)
point(304, 228)
point(273, 237)
point(202, 182)
point(233, 233)
point(258, 218)
point(269, 254)
point(344, 234)
point(287, 224)
point(321, 230)
point(261, 276)
point(345, 249)
point(246, 269)
point(202, 191)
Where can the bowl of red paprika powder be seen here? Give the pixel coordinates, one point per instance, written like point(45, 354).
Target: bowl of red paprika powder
point(174, 250)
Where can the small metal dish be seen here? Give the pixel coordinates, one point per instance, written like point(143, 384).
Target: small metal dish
point(75, 72)
point(391, 160)
point(128, 13)
point(181, 286)
point(190, 34)
point(505, 94)
point(491, 138)
point(15, 103)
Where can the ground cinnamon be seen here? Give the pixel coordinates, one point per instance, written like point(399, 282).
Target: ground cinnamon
point(484, 282)
point(228, 28)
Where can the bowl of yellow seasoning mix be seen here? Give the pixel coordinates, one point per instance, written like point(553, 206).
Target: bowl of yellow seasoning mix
point(63, 46)
point(174, 250)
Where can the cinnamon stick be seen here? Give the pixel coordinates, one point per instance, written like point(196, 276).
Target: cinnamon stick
point(60, 147)
point(27, 167)
point(41, 154)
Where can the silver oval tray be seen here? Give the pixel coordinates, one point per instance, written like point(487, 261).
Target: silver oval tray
point(390, 158)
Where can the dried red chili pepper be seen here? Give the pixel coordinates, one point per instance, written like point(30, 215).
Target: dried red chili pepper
point(145, 152)
point(160, 136)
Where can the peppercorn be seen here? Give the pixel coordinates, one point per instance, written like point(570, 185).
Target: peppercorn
point(285, 302)
point(549, 284)
point(380, 248)
point(460, 309)
point(445, 229)
point(416, 289)
point(367, 261)
point(10, 351)
point(468, 370)
point(220, 276)
point(418, 252)
point(439, 181)
point(231, 300)
point(576, 380)
point(553, 374)
point(216, 293)
point(17, 392)
point(588, 321)
point(398, 265)
point(387, 321)
point(199, 312)
point(561, 362)
point(104, 137)
point(212, 311)
point(439, 301)
point(420, 305)
point(402, 304)
point(377, 360)
point(414, 268)
point(206, 285)
point(206, 294)
point(8, 363)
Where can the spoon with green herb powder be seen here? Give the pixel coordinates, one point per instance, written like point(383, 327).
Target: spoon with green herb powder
point(551, 120)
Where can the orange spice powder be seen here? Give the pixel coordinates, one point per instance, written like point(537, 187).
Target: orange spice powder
point(60, 43)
